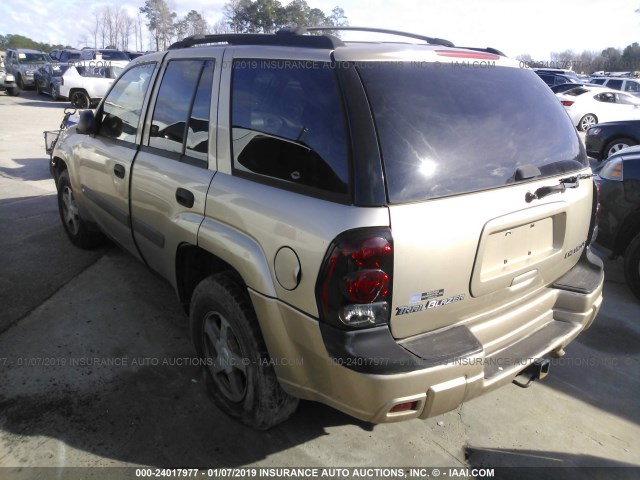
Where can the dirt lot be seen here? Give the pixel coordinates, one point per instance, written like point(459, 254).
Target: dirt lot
point(94, 366)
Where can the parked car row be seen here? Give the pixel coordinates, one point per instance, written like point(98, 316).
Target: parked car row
point(80, 76)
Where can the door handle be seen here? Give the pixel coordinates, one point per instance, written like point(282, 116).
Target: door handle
point(118, 170)
point(184, 197)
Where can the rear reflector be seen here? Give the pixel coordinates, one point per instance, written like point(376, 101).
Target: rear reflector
point(566, 103)
point(404, 407)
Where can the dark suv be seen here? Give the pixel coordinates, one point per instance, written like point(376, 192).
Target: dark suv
point(619, 228)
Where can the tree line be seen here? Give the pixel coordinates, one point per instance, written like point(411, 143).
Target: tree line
point(113, 27)
point(608, 60)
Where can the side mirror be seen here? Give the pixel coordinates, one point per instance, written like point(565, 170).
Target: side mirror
point(86, 123)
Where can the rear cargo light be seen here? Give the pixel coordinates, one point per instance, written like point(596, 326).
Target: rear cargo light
point(354, 285)
point(567, 103)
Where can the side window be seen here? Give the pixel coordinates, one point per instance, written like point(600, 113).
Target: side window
point(605, 97)
point(631, 86)
point(288, 124)
point(123, 106)
point(180, 121)
point(598, 81)
point(615, 84)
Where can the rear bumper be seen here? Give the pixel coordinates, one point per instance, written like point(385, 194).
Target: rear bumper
point(367, 373)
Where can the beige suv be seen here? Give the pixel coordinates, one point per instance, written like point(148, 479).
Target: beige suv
point(388, 228)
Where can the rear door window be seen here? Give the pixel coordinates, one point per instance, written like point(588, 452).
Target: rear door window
point(180, 121)
point(445, 130)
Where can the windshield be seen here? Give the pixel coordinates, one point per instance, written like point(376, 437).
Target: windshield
point(446, 130)
point(34, 58)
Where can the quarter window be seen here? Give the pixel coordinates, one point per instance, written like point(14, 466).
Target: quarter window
point(288, 124)
point(123, 105)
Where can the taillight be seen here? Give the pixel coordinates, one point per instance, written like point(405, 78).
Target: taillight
point(567, 103)
point(354, 285)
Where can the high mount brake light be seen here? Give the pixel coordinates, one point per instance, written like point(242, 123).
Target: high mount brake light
point(354, 285)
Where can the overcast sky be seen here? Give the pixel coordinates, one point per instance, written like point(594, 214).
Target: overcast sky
point(536, 27)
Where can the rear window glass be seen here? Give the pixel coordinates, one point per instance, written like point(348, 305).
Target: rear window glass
point(448, 130)
point(576, 92)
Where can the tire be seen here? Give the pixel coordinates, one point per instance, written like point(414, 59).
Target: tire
point(55, 92)
point(19, 82)
point(14, 91)
point(586, 122)
point(616, 145)
point(632, 266)
point(237, 368)
point(39, 90)
point(76, 228)
point(80, 99)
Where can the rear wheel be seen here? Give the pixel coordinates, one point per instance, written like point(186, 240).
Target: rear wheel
point(55, 92)
point(76, 228)
point(616, 145)
point(80, 99)
point(632, 265)
point(586, 122)
point(237, 368)
point(14, 92)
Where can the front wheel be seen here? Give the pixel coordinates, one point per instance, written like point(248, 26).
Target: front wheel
point(237, 368)
point(80, 100)
point(632, 266)
point(76, 228)
point(616, 145)
point(586, 122)
point(14, 91)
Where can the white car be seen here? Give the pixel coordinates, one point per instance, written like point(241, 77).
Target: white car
point(86, 82)
point(590, 105)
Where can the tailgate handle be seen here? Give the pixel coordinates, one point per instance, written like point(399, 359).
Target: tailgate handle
point(184, 197)
point(569, 182)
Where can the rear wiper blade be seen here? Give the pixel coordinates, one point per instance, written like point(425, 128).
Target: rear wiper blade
point(563, 184)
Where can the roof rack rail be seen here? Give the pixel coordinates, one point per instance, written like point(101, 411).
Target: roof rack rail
point(429, 40)
point(308, 41)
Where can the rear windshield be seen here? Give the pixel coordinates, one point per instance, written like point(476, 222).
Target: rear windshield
point(576, 92)
point(114, 55)
point(446, 130)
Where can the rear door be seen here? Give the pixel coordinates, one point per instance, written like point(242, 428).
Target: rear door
point(172, 172)
point(464, 150)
